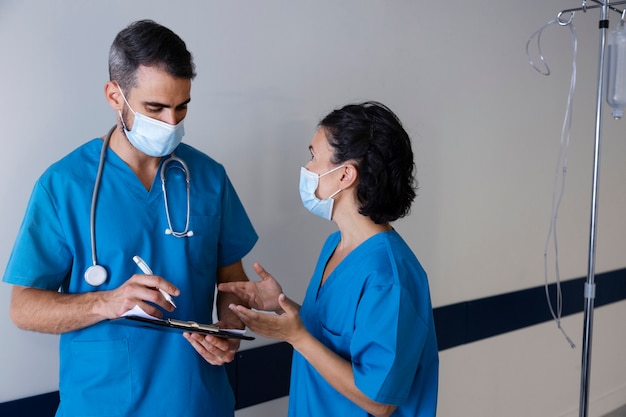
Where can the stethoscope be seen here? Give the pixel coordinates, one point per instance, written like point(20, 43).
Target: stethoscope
point(96, 274)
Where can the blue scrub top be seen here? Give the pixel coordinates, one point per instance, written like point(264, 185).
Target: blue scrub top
point(374, 311)
point(115, 370)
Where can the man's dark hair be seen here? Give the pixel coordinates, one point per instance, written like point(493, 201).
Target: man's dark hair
point(150, 44)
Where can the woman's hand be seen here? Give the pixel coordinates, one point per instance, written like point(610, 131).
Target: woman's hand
point(286, 326)
point(260, 295)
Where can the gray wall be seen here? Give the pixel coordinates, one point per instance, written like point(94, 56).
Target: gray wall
point(485, 128)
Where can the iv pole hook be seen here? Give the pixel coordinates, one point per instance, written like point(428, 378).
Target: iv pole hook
point(561, 21)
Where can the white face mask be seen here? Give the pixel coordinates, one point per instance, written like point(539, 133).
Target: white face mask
point(309, 182)
point(153, 137)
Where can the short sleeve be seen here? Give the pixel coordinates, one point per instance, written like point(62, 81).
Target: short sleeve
point(40, 257)
point(237, 235)
point(387, 344)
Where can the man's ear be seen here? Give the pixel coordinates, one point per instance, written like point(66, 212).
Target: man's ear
point(113, 95)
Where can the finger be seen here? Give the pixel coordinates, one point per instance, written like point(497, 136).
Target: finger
point(245, 296)
point(243, 311)
point(217, 343)
point(202, 345)
point(193, 337)
point(156, 281)
point(286, 305)
point(247, 316)
point(153, 295)
point(150, 309)
point(206, 351)
point(233, 346)
point(133, 293)
point(260, 271)
point(220, 348)
point(167, 286)
point(233, 287)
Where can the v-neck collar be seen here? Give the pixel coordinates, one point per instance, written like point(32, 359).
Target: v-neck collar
point(116, 166)
point(321, 285)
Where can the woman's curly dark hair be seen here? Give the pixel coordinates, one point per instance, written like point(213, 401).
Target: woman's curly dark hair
point(372, 136)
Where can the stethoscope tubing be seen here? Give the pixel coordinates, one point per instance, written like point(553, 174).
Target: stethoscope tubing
point(96, 274)
point(94, 197)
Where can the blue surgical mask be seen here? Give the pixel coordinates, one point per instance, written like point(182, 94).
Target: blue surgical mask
point(153, 137)
point(309, 182)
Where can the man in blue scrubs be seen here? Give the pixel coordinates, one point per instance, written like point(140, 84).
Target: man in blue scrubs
point(108, 369)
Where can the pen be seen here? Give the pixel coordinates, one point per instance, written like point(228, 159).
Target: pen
point(146, 270)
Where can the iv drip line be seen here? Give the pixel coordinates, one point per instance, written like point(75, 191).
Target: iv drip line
point(561, 168)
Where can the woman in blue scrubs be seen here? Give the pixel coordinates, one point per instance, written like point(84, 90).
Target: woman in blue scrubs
point(364, 339)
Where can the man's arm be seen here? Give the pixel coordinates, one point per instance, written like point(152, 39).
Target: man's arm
point(52, 312)
point(48, 311)
point(230, 273)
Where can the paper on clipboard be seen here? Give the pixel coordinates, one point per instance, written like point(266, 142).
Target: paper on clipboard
point(138, 317)
point(138, 312)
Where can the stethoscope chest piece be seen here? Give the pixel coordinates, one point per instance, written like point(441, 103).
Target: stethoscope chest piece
point(95, 275)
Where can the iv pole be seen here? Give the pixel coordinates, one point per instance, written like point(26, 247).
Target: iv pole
point(590, 286)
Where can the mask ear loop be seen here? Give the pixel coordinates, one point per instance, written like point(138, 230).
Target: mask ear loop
point(124, 97)
point(128, 104)
point(336, 192)
point(329, 172)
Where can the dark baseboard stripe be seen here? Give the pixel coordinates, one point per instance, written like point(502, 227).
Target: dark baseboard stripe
point(44, 405)
point(262, 374)
point(475, 320)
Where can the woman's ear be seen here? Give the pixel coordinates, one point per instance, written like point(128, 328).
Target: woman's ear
point(349, 176)
point(113, 95)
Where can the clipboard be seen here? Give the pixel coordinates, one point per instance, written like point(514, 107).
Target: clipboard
point(180, 326)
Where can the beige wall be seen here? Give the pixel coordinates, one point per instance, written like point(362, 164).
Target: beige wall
point(485, 128)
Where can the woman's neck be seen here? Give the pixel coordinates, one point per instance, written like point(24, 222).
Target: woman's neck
point(356, 230)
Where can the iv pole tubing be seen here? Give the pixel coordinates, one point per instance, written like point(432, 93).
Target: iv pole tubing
point(590, 285)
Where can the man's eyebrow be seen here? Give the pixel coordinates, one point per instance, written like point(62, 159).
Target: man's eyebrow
point(165, 106)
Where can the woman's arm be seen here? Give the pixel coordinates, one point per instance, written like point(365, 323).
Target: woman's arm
point(335, 370)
